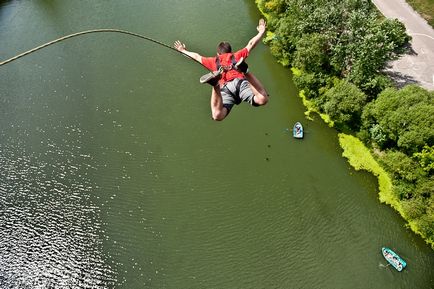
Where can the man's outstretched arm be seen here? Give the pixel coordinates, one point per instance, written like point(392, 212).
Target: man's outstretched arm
point(181, 47)
point(261, 30)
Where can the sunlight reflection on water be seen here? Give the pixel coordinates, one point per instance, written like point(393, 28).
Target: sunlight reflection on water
point(49, 229)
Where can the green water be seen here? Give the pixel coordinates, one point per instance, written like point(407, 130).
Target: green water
point(113, 175)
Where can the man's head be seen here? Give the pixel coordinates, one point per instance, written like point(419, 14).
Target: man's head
point(224, 47)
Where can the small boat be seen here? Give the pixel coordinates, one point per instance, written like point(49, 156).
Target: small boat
point(297, 131)
point(393, 259)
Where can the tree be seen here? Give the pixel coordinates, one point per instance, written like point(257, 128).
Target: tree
point(405, 118)
point(366, 46)
point(344, 103)
point(310, 54)
point(426, 158)
point(413, 208)
point(426, 225)
point(401, 166)
point(343, 38)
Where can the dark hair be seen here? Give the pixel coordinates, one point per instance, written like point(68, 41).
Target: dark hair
point(224, 47)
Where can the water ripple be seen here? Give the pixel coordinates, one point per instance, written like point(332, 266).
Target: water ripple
point(50, 232)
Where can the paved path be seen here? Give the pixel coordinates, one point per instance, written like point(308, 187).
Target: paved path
point(417, 66)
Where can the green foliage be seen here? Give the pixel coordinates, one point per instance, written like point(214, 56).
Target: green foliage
point(275, 6)
point(401, 166)
point(312, 108)
point(370, 47)
point(414, 208)
point(311, 83)
point(378, 134)
point(401, 119)
point(425, 189)
point(403, 190)
point(426, 225)
point(376, 84)
point(424, 222)
point(309, 54)
point(344, 103)
point(364, 136)
point(340, 37)
point(426, 158)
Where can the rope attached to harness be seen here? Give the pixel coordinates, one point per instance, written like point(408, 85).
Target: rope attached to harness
point(88, 32)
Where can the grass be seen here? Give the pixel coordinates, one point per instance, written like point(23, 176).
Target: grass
point(360, 158)
point(425, 8)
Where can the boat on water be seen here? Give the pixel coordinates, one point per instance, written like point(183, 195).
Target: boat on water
point(393, 259)
point(297, 130)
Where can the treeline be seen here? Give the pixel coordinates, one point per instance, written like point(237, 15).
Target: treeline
point(338, 49)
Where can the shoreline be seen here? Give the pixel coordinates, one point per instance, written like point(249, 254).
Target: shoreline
point(359, 156)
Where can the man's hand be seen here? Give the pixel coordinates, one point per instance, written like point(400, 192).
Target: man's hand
point(261, 30)
point(179, 45)
point(261, 26)
point(181, 48)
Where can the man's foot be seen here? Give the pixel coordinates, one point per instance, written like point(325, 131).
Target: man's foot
point(212, 78)
point(242, 66)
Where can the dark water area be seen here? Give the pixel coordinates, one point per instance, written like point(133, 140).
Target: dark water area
point(113, 175)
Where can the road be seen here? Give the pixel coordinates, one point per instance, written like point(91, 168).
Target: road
point(418, 65)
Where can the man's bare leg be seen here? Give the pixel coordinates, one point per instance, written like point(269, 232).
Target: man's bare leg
point(261, 95)
point(219, 112)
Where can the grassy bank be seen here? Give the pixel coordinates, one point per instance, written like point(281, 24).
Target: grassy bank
point(360, 157)
point(425, 8)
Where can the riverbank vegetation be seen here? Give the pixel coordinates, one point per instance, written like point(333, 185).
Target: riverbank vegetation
point(337, 50)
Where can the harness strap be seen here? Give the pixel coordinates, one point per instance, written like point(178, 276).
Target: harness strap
point(233, 60)
point(218, 64)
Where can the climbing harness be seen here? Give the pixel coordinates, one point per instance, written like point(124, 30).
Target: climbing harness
point(88, 32)
point(241, 67)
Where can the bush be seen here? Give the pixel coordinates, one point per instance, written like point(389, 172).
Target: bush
point(401, 166)
point(310, 83)
point(344, 103)
point(413, 208)
point(426, 158)
point(404, 118)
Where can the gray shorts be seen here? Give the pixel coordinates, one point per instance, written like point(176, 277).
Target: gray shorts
point(236, 91)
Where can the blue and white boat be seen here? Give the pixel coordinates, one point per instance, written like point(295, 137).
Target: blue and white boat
point(297, 130)
point(393, 259)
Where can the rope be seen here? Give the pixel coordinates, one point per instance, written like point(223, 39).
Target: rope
point(88, 32)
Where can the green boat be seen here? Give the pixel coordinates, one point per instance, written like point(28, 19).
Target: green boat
point(397, 262)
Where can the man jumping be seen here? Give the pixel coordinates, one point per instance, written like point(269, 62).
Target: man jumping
point(229, 76)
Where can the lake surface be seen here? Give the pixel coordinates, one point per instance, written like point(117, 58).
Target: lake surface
point(113, 175)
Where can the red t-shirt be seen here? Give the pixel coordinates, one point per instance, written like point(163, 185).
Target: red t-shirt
point(226, 60)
